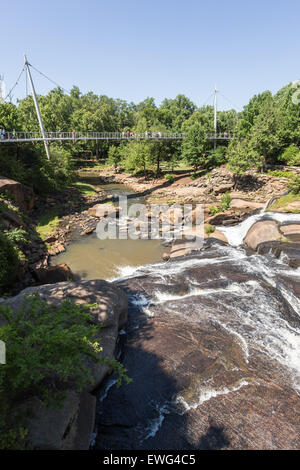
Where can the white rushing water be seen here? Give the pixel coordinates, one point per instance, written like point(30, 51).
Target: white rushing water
point(236, 234)
point(247, 309)
point(251, 310)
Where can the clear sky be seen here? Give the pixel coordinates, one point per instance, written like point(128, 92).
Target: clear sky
point(136, 48)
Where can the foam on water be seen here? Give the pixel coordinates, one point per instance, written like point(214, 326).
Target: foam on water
point(236, 234)
point(206, 394)
point(249, 311)
point(155, 424)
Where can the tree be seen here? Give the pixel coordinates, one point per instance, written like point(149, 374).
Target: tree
point(291, 155)
point(250, 112)
point(195, 146)
point(114, 156)
point(137, 156)
point(173, 113)
point(263, 138)
point(241, 157)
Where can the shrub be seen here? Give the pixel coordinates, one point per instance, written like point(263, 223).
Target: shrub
point(9, 261)
point(281, 174)
point(225, 204)
point(218, 156)
point(214, 210)
point(291, 155)
point(17, 235)
point(46, 347)
point(195, 176)
point(208, 228)
point(32, 168)
point(170, 178)
point(225, 201)
point(294, 185)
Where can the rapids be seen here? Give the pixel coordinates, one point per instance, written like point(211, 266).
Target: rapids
point(210, 338)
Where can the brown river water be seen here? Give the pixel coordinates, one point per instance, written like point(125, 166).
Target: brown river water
point(92, 258)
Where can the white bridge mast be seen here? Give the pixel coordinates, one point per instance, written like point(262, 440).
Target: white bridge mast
point(215, 117)
point(37, 108)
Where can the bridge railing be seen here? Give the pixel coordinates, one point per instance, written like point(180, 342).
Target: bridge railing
point(60, 136)
point(221, 136)
point(76, 136)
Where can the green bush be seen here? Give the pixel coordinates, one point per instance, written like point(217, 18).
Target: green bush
point(208, 228)
point(9, 261)
point(291, 155)
point(46, 348)
point(225, 204)
point(32, 168)
point(214, 210)
point(170, 178)
point(218, 156)
point(195, 176)
point(281, 174)
point(294, 185)
point(148, 173)
point(225, 201)
point(17, 235)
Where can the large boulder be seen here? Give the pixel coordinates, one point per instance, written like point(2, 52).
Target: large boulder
point(21, 194)
point(71, 426)
point(102, 210)
point(291, 231)
point(53, 274)
point(262, 231)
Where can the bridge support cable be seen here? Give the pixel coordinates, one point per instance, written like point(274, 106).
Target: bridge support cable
point(11, 90)
point(37, 108)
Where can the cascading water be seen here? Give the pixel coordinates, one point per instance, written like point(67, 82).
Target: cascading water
point(236, 233)
point(252, 301)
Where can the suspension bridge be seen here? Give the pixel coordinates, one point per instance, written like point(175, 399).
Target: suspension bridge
point(11, 137)
point(75, 136)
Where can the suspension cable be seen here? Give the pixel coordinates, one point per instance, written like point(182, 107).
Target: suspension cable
point(11, 90)
point(210, 96)
point(229, 101)
point(50, 80)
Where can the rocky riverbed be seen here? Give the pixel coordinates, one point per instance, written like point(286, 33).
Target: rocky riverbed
point(211, 343)
point(213, 349)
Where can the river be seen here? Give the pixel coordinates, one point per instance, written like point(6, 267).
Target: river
point(212, 345)
point(92, 258)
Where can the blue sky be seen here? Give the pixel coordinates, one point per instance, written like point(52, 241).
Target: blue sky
point(134, 49)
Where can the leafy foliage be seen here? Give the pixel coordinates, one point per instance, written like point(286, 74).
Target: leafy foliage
point(267, 131)
point(294, 185)
point(194, 146)
point(291, 155)
point(9, 260)
point(225, 204)
point(46, 349)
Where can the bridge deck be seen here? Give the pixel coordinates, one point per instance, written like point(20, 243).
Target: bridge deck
point(77, 136)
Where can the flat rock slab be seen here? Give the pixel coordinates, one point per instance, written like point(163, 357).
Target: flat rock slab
point(243, 204)
point(291, 231)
